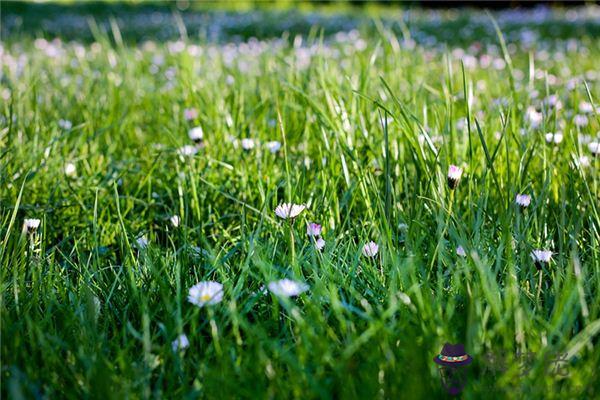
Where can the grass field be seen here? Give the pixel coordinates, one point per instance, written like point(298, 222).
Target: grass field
point(357, 117)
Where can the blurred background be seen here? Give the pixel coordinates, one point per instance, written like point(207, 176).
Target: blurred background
point(448, 21)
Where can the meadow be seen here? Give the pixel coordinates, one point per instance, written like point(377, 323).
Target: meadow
point(298, 203)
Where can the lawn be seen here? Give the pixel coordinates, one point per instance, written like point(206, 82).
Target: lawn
point(201, 203)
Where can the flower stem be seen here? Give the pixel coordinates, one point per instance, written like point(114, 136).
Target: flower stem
point(292, 243)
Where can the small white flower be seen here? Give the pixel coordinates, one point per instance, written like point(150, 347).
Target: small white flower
point(180, 343)
point(31, 223)
point(461, 251)
point(552, 100)
point(187, 150)
point(594, 148)
point(523, 200)
point(313, 229)
point(534, 117)
point(454, 175)
point(65, 124)
point(370, 249)
point(319, 244)
point(586, 107)
point(190, 114)
point(580, 120)
point(289, 210)
point(287, 287)
point(247, 144)
point(175, 220)
point(142, 242)
point(541, 256)
point(584, 139)
point(454, 172)
point(70, 169)
point(196, 134)
point(206, 293)
point(274, 146)
point(555, 138)
point(584, 161)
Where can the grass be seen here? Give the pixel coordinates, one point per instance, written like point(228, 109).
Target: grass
point(368, 132)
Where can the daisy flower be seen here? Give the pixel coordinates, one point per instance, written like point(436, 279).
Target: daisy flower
point(523, 200)
point(175, 220)
point(541, 257)
point(65, 124)
point(552, 100)
point(313, 229)
point(586, 107)
point(180, 343)
point(287, 288)
point(319, 244)
point(190, 114)
point(454, 174)
point(580, 120)
point(70, 169)
point(370, 249)
point(206, 293)
point(594, 148)
point(31, 224)
point(187, 150)
point(247, 144)
point(289, 210)
point(461, 251)
point(554, 138)
point(273, 146)
point(196, 134)
point(142, 242)
point(583, 161)
point(534, 117)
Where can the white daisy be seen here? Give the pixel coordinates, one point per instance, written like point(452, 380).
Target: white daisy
point(180, 343)
point(187, 150)
point(534, 117)
point(541, 257)
point(247, 144)
point(196, 134)
point(594, 148)
point(454, 175)
point(555, 138)
point(70, 169)
point(319, 244)
point(289, 210)
point(65, 124)
point(586, 107)
point(31, 224)
point(206, 293)
point(523, 200)
point(273, 146)
point(370, 249)
point(287, 287)
point(580, 120)
point(313, 229)
point(190, 114)
point(142, 242)
point(584, 161)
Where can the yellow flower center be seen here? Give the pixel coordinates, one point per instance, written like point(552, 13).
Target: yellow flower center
point(205, 297)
